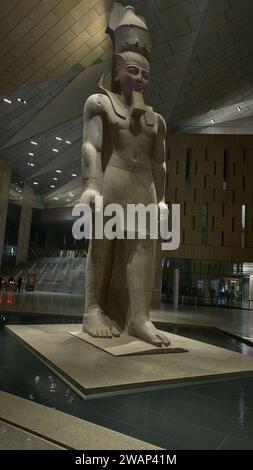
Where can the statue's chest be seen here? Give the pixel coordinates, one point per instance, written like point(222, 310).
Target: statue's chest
point(132, 132)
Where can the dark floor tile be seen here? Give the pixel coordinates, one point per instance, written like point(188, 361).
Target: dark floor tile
point(243, 427)
point(201, 417)
point(160, 441)
point(105, 406)
point(156, 401)
point(102, 420)
point(231, 391)
point(205, 402)
point(193, 435)
point(234, 443)
point(116, 425)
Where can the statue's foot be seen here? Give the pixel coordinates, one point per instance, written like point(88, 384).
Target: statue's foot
point(146, 331)
point(99, 325)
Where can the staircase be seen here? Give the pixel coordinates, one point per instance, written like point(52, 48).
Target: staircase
point(58, 271)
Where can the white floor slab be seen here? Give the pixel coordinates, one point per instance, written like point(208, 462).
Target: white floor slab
point(13, 438)
point(63, 429)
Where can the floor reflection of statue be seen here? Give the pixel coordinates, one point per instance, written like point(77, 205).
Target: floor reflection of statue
point(123, 160)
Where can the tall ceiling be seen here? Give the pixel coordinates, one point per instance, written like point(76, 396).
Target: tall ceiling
point(53, 52)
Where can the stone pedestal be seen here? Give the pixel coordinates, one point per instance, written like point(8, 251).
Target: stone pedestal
point(91, 371)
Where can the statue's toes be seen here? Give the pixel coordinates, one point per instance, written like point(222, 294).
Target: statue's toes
point(115, 332)
point(155, 340)
point(105, 333)
point(101, 334)
point(91, 331)
point(164, 338)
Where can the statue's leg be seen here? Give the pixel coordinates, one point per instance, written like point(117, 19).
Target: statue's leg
point(99, 265)
point(140, 267)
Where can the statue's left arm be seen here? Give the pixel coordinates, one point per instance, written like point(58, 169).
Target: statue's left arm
point(158, 160)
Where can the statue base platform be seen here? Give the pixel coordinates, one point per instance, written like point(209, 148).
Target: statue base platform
point(91, 371)
point(125, 345)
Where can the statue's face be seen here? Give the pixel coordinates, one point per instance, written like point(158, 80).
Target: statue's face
point(133, 76)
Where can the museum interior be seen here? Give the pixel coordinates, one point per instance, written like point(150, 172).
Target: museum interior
point(57, 390)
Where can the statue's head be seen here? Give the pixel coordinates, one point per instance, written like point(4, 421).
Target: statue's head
point(131, 72)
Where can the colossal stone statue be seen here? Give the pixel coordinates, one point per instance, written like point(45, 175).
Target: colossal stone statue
point(123, 156)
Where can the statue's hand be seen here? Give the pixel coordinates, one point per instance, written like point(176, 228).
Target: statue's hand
point(163, 210)
point(88, 197)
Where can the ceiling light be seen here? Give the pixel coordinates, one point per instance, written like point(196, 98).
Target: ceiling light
point(68, 142)
point(24, 102)
point(30, 164)
point(74, 175)
point(19, 99)
point(238, 108)
point(34, 143)
point(58, 171)
point(35, 182)
point(31, 154)
point(68, 200)
point(58, 138)
point(55, 150)
point(55, 179)
point(56, 198)
point(52, 186)
point(7, 101)
point(212, 121)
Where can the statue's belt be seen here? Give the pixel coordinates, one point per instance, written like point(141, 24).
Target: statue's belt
point(124, 164)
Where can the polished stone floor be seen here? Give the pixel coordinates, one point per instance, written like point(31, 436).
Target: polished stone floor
point(215, 415)
point(236, 321)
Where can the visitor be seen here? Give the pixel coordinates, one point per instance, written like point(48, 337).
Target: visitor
point(20, 280)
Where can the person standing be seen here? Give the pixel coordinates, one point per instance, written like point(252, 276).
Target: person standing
point(20, 280)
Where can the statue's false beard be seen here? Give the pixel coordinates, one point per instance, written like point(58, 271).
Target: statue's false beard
point(138, 107)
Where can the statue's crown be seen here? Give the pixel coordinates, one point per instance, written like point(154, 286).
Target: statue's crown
point(128, 31)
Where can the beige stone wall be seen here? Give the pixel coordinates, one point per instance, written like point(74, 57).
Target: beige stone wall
point(206, 187)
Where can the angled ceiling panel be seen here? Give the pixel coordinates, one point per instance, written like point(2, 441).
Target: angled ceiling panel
point(65, 106)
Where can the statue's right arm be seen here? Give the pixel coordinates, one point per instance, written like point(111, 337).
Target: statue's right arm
point(91, 163)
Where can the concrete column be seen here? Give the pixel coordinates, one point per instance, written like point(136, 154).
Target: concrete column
point(251, 291)
point(25, 225)
point(157, 283)
point(176, 288)
point(5, 179)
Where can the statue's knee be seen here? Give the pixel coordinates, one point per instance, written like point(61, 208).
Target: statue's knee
point(146, 245)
